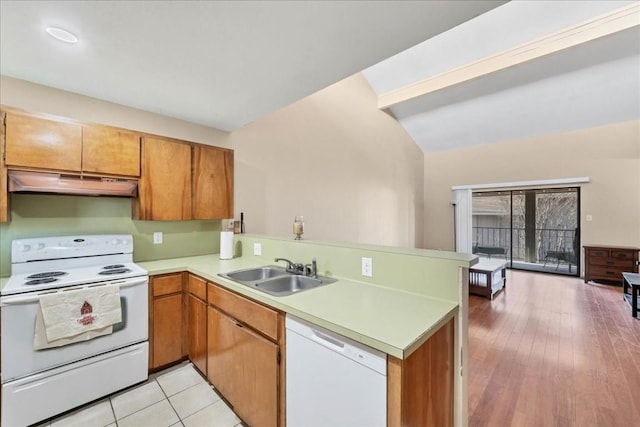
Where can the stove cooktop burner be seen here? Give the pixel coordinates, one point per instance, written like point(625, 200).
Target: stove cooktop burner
point(46, 274)
point(77, 260)
point(41, 281)
point(115, 271)
point(113, 266)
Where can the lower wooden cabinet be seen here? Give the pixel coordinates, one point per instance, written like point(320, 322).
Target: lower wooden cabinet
point(165, 320)
point(244, 367)
point(197, 337)
point(239, 344)
point(420, 388)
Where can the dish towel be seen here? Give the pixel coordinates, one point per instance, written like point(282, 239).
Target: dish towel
point(66, 317)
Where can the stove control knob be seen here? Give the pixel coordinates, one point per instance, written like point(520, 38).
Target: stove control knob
point(26, 248)
point(40, 246)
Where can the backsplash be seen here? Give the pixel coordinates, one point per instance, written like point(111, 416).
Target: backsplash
point(35, 215)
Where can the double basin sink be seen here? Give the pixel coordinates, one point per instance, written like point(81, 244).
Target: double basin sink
point(275, 280)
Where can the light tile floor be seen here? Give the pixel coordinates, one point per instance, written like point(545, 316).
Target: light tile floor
point(178, 396)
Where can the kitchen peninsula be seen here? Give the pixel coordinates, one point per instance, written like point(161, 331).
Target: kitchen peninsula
point(413, 308)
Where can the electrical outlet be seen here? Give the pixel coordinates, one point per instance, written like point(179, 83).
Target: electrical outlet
point(589, 217)
point(367, 267)
point(257, 248)
point(157, 237)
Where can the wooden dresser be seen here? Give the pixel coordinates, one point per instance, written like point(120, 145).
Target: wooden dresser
point(606, 263)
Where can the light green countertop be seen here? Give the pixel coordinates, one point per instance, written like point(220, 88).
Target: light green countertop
point(390, 320)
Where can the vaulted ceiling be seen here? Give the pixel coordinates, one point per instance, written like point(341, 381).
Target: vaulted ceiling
point(521, 70)
point(218, 63)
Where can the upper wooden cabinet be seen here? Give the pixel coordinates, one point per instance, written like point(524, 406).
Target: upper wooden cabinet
point(110, 151)
point(176, 184)
point(35, 142)
point(212, 183)
point(164, 190)
point(179, 180)
point(4, 199)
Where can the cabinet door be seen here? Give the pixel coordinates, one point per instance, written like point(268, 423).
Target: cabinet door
point(212, 183)
point(244, 367)
point(38, 143)
point(167, 330)
point(110, 151)
point(4, 196)
point(165, 182)
point(197, 347)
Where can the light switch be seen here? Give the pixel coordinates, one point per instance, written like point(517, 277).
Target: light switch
point(589, 217)
point(257, 249)
point(157, 237)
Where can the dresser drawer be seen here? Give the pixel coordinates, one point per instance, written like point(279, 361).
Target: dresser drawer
point(259, 317)
point(623, 255)
point(598, 253)
point(606, 273)
point(611, 262)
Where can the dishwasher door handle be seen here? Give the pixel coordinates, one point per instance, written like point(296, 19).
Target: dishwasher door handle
point(327, 341)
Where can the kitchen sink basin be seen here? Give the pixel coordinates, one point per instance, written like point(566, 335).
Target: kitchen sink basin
point(287, 285)
point(253, 274)
point(275, 280)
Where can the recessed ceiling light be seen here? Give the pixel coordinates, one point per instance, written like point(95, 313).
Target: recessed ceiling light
point(62, 35)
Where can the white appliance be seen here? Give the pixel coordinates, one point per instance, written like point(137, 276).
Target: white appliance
point(38, 384)
point(332, 380)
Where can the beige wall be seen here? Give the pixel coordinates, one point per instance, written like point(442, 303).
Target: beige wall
point(350, 169)
point(608, 155)
point(32, 97)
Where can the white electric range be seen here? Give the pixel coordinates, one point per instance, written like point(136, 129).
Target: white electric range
point(61, 378)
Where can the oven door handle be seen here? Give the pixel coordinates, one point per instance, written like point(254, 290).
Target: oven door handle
point(30, 298)
point(19, 299)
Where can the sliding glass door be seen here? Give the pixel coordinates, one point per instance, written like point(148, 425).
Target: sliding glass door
point(535, 229)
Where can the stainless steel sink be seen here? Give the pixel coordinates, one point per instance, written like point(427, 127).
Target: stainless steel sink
point(275, 280)
point(254, 274)
point(287, 285)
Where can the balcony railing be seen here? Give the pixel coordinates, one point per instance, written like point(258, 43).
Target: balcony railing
point(547, 240)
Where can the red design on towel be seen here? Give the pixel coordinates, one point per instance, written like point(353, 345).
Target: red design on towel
point(87, 318)
point(86, 308)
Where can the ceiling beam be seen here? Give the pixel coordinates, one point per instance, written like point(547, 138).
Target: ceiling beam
point(612, 22)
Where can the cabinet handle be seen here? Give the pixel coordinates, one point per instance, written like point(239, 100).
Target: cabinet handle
point(609, 262)
point(239, 325)
point(611, 273)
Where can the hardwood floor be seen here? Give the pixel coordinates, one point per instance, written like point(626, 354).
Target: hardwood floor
point(553, 351)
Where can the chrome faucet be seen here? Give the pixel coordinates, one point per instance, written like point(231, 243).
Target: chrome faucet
point(310, 270)
point(292, 267)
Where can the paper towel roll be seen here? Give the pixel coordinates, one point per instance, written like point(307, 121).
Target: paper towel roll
point(226, 244)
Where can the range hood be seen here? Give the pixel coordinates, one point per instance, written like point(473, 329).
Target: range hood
point(45, 182)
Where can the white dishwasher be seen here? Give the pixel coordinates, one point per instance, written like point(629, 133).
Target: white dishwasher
point(333, 381)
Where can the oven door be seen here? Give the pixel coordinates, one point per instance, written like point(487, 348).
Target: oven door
point(19, 358)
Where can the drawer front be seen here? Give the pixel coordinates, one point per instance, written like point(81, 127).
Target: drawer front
point(257, 316)
point(165, 285)
point(598, 253)
point(626, 255)
point(198, 287)
point(611, 262)
point(606, 273)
